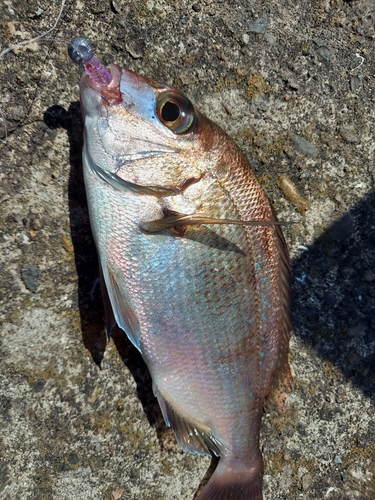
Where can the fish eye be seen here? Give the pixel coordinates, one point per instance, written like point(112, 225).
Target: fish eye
point(175, 111)
point(170, 112)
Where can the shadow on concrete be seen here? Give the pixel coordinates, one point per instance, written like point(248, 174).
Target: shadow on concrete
point(333, 285)
point(89, 295)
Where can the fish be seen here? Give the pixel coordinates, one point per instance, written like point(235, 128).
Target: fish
point(194, 266)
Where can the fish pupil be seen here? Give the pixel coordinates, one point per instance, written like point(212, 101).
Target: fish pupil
point(170, 112)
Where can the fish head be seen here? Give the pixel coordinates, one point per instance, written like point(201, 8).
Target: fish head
point(142, 131)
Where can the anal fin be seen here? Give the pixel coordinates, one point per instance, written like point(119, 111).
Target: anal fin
point(193, 437)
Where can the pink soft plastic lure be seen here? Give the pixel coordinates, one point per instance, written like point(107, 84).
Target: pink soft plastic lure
point(82, 52)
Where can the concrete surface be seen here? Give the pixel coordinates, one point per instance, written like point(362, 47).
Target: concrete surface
point(294, 84)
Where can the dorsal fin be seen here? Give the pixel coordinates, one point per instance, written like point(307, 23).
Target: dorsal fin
point(282, 378)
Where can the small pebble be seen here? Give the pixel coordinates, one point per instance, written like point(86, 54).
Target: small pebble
point(39, 11)
point(196, 7)
point(73, 459)
point(342, 228)
point(71, 464)
point(35, 223)
point(45, 180)
point(91, 398)
point(30, 275)
point(355, 82)
point(270, 38)
point(285, 477)
point(305, 49)
point(293, 84)
point(291, 193)
point(259, 26)
point(306, 481)
point(368, 276)
point(305, 147)
point(327, 53)
point(338, 198)
point(116, 6)
point(16, 113)
point(67, 243)
point(134, 53)
point(348, 134)
point(116, 495)
point(245, 38)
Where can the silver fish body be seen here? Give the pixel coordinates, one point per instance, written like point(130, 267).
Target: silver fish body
point(205, 302)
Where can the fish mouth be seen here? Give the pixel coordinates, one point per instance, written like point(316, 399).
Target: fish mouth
point(110, 93)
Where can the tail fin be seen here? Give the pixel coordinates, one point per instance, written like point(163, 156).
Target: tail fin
point(227, 483)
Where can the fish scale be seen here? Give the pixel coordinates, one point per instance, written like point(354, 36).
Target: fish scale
point(259, 265)
point(194, 264)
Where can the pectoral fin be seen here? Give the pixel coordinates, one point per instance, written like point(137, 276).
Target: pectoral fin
point(124, 314)
point(178, 219)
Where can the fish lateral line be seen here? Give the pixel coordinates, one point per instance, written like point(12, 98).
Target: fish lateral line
point(177, 219)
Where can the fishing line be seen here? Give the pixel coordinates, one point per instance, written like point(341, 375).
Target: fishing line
point(27, 42)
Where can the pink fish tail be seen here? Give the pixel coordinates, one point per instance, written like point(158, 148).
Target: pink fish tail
point(228, 483)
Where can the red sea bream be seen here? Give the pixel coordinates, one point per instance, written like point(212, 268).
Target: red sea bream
point(194, 264)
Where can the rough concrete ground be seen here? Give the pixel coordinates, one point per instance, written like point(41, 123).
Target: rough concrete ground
point(293, 83)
